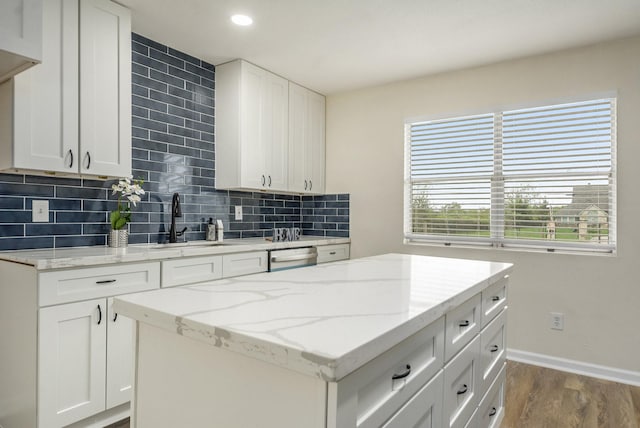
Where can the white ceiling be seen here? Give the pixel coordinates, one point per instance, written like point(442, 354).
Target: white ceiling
point(338, 45)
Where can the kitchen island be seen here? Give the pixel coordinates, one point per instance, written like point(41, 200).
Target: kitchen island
point(363, 343)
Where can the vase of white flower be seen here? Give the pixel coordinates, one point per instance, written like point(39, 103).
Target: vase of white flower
point(121, 216)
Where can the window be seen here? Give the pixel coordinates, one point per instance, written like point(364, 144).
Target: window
point(537, 177)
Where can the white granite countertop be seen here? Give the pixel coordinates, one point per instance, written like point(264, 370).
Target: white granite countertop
point(98, 255)
point(326, 320)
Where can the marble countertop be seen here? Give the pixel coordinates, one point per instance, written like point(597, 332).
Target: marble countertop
point(98, 255)
point(324, 321)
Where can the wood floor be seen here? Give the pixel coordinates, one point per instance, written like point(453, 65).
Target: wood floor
point(537, 397)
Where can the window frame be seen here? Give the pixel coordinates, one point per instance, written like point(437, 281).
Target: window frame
point(496, 238)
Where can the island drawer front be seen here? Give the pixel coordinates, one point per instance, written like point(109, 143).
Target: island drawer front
point(73, 285)
point(191, 270)
point(462, 324)
point(493, 350)
point(494, 299)
point(461, 384)
point(491, 408)
point(244, 263)
point(423, 410)
point(332, 253)
point(373, 393)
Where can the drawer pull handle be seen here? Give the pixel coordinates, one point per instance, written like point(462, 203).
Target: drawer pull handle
point(332, 253)
point(495, 298)
point(115, 317)
point(493, 411)
point(105, 281)
point(99, 314)
point(464, 323)
point(402, 375)
point(463, 390)
point(494, 348)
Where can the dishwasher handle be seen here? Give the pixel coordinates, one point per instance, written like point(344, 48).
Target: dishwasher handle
point(292, 258)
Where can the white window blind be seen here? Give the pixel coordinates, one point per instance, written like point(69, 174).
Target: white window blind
point(532, 177)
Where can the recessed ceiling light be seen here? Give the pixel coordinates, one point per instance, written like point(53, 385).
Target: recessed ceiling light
point(242, 20)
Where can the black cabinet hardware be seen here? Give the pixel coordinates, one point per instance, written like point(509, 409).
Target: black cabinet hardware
point(402, 375)
point(99, 314)
point(464, 323)
point(105, 281)
point(462, 390)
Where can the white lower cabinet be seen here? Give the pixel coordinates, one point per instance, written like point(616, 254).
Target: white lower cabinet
point(119, 357)
point(461, 385)
point(333, 253)
point(244, 263)
point(71, 359)
point(72, 345)
point(424, 410)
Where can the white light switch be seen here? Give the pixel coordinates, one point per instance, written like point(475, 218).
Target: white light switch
point(40, 211)
point(238, 212)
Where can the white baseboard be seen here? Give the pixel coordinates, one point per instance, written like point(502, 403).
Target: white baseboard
point(578, 367)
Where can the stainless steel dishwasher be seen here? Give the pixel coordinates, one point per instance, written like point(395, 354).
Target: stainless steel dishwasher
point(292, 258)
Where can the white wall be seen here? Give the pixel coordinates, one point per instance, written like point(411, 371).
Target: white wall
point(600, 295)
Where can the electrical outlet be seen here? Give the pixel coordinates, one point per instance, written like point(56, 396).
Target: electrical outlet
point(238, 212)
point(40, 211)
point(557, 321)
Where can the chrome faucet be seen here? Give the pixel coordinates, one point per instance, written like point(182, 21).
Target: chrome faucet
point(176, 211)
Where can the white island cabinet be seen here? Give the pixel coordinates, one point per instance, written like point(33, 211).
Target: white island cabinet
point(386, 341)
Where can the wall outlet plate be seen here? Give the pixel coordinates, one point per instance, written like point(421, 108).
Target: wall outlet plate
point(557, 321)
point(40, 211)
point(238, 215)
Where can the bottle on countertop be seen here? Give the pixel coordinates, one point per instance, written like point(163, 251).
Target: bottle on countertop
point(219, 231)
point(211, 230)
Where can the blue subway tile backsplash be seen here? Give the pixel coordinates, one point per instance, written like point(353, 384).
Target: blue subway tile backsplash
point(173, 150)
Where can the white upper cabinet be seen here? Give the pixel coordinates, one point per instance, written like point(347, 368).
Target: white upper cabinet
point(20, 36)
point(269, 132)
point(251, 137)
point(72, 114)
point(306, 140)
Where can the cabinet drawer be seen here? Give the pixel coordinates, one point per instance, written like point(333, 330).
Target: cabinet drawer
point(244, 263)
point(423, 410)
point(491, 408)
point(89, 283)
point(494, 299)
point(462, 324)
point(493, 350)
point(378, 389)
point(332, 253)
point(191, 270)
point(461, 386)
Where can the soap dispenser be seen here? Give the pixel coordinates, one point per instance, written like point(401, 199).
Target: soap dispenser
point(211, 230)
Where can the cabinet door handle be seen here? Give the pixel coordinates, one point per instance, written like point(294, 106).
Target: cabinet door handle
point(264, 180)
point(495, 298)
point(402, 375)
point(70, 158)
point(105, 281)
point(88, 160)
point(310, 184)
point(464, 323)
point(305, 184)
point(269, 181)
point(332, 253)
point(115, 317)
point(494, 348)
point(493, 411)
point(463, 390)
point(99, 314)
